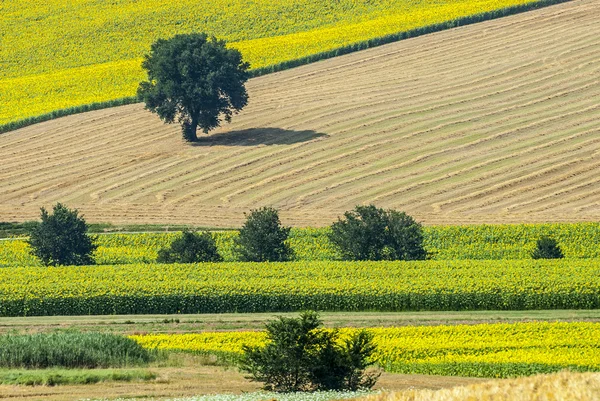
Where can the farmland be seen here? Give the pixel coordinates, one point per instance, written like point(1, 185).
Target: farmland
point(489, 350)
point(494, 123)
point(52, 64)
point(294, 286)
point(444, 138)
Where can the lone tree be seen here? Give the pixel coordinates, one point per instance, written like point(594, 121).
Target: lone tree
point(302, 356)
point(61, 238)
point(262, 238)
point(547, 248)
point(190, 248)
point(369, 233)
point(195, 80)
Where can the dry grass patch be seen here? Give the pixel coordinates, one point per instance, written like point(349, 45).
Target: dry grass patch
point(564, 386)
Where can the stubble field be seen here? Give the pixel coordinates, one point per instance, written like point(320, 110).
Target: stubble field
point(494, 122)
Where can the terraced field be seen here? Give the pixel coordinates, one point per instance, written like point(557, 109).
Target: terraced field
point(494, 122)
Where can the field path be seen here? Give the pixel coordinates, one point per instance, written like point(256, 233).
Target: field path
point(493, 122)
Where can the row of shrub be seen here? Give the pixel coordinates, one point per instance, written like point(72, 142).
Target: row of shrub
point(365, 233)
point(292, 286)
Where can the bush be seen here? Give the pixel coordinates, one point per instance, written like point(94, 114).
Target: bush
point(301, 356)
point(191, 248)
point(61, 238)
point(369, 233)
point(262, 238)
point(547, 248)
point(70, 350)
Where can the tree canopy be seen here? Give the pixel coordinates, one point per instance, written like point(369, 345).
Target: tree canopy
point(262, 238)
point(370, 233)
point(194, 80)
point(302, 356)
point(61, 238)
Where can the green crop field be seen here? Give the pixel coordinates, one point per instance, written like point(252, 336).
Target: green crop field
point(293, 286)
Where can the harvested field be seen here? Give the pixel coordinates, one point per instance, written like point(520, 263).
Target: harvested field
point(564, 386)
point(494, 122)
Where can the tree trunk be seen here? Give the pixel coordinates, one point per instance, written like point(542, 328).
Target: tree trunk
point(189, 130)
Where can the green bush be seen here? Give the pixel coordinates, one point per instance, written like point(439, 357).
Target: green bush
point(61, 238)
point(190, 248)
point(301, 356)
point(547, 248)
point(369, 233)
point(262, 238)
point(70, 350)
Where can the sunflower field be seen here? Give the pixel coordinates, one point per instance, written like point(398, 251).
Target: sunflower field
point(62, 54)
point(483, 350)
point(293, 286)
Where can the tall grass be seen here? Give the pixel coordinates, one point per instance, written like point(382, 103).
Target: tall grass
point(70, 350)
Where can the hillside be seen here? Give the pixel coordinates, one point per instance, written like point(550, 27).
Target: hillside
point(64, 54)
point(494, 122)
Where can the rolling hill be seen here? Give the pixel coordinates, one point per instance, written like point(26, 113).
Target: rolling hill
point(493, 122)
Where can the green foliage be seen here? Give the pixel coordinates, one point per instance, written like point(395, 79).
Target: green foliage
point(61, 238)
point(194, 80)
point(369, 233)
point(190, 248)
point(70, 350)
point(547, 248)
point(262, 238)
point(301, 356)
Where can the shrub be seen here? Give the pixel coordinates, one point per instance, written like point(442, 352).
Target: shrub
point(190, 248)
point(61, 238)
point(301, 356)
point(70, 350)
point(262, 238)
point(547, 248)
point(369, 233)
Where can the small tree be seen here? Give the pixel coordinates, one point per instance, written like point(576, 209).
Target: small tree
point(369, 233)
point(262, 238)
point(301, 356)
point(61, 238)
point(191, 248)
point(547, 248)
point(195, 80)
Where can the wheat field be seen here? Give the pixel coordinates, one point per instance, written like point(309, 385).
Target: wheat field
point(493, 122)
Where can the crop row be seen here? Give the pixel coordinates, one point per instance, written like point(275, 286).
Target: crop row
point(63, 55)
point(484, 350)
point(293, 286)
point(579, 240)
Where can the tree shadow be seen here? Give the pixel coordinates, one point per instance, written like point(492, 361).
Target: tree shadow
point(257, 136)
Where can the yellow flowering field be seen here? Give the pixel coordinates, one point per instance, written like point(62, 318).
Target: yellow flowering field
point(483, 350)
point(59, 54)
point(293, 286)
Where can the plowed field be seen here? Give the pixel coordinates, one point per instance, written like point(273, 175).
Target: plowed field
point(494, 122)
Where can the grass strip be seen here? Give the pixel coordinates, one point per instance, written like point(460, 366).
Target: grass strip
point(56, 377)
